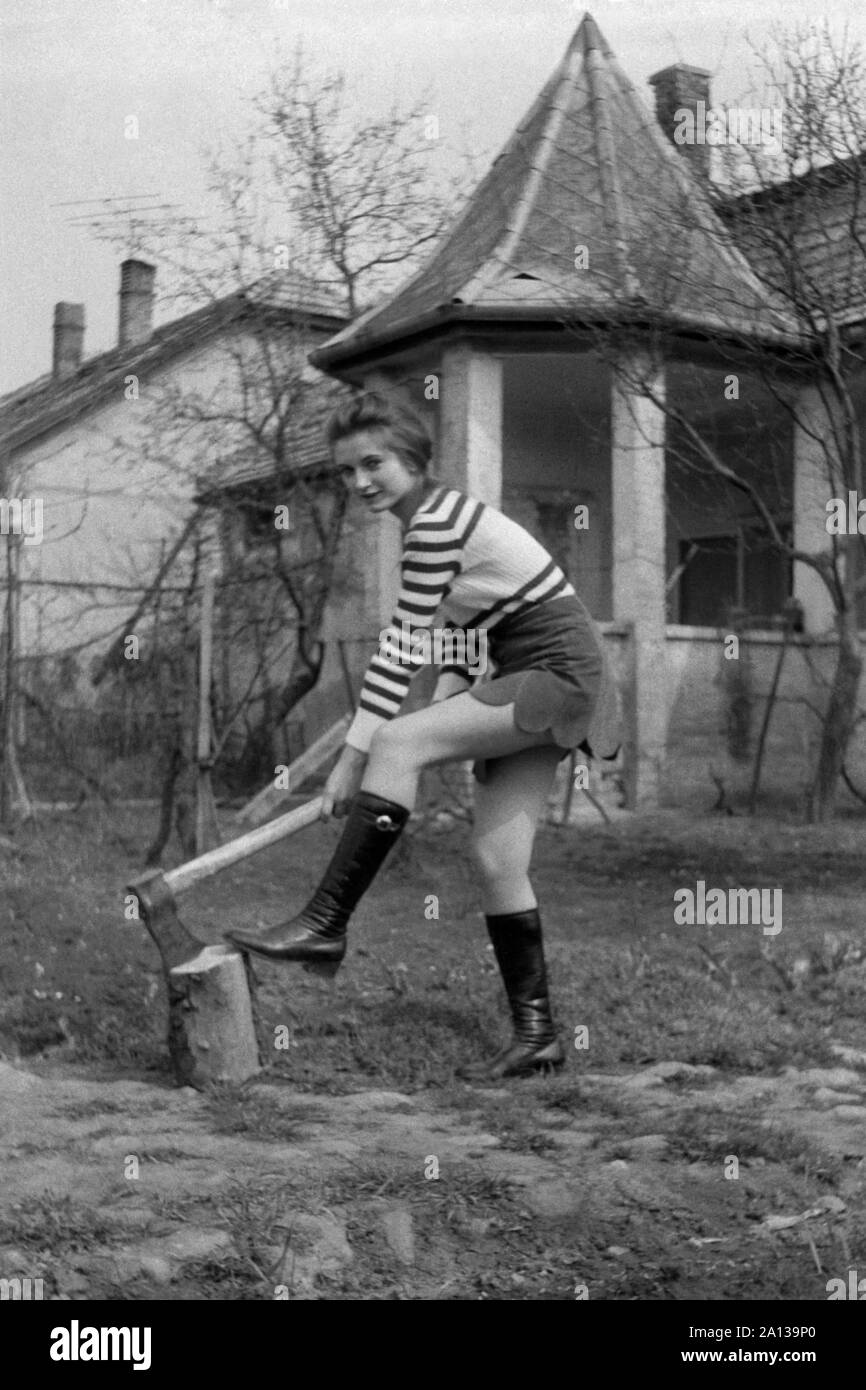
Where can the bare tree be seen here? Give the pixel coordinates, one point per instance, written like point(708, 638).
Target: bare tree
point(808, 243)
point(362, 190)
point(318, 207)
point(791, 336)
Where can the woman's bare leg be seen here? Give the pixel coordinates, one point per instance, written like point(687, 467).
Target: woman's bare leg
point(453, 730)
point(508, 807)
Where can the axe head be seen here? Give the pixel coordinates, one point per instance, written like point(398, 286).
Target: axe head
point(158, 911)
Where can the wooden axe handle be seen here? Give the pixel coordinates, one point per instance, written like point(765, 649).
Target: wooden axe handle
point(183, 877)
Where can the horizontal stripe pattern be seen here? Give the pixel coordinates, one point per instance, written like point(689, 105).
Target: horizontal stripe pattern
point(455, 546)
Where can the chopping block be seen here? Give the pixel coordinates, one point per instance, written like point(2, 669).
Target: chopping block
point(211, 987)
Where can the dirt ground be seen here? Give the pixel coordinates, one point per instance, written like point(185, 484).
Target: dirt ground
point(708, 1142)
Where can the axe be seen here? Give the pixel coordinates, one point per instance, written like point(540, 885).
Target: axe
point(156, 893)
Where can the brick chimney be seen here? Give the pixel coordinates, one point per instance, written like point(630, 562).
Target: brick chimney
point(136, 302)
point(68, 339)
point(683, 88)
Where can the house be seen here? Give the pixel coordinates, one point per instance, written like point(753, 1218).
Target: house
point(595, 306)
point(119, 449)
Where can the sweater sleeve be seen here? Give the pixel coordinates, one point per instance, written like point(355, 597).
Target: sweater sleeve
point(432, 557)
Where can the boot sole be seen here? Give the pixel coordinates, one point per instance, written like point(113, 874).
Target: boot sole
point(323, 967)
point(545, 1067)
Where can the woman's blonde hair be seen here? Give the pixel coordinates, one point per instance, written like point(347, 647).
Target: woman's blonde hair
point(404, 429)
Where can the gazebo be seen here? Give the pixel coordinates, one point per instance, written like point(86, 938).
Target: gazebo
point(587, 282)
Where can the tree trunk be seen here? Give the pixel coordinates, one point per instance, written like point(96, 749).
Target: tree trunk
point(303, 676)
point(839, 720)
point(172, 772)
point(309, 602)
point(12, 782)
point(257, 756)
point(765, 722)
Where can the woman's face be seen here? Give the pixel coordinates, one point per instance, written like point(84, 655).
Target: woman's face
point(374, 472)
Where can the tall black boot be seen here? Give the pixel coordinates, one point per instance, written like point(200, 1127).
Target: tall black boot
point(317, 936)
point(519, 949)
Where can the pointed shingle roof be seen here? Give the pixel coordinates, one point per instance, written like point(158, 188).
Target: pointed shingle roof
point(587, 167)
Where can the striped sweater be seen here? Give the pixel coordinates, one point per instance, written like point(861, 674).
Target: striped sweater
point(486, 567)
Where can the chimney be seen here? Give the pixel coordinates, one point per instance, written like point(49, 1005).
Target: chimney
point(136, 302)
point(683, 88)
point(68, 339)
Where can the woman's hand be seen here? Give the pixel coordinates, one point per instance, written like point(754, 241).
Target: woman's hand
point(343, 783)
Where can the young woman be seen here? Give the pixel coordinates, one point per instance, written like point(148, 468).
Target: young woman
point(551, 692)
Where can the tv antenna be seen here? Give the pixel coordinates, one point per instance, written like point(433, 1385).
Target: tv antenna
point(132, 220)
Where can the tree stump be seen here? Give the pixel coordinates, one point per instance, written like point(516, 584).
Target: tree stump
point(213, 1035)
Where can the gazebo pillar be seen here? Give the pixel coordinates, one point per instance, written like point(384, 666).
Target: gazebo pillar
point(638, 493)
point(383, 541)
point(813, 456)
point(470, 422)
point(469, 447)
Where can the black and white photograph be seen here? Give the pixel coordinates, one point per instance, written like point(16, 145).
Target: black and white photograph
point(432, 690)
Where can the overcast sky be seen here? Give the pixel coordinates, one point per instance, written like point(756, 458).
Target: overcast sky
point(74, 70)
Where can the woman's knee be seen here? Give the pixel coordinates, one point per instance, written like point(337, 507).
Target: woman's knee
point(498, 859)
point(390, 742)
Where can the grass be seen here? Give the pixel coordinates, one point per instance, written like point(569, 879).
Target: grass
point(56, 1225)
point(698, 1136)
point(418, 997)
point(93, 1110)
point(268, 1117)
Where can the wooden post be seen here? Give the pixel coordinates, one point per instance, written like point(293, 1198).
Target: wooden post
point(206, 828)
point(12, 780)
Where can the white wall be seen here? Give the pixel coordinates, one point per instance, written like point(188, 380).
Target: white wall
point(115, 486)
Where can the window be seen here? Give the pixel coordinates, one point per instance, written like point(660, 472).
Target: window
point(258, 521)
point(744, 571)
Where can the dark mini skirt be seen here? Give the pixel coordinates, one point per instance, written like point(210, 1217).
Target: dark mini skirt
point(550, 662)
